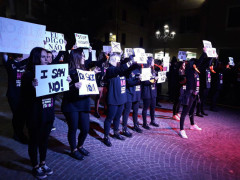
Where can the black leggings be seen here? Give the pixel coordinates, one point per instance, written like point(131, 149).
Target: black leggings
point(18, 121)
point(146, 104)
point(39, 130)
point(77, 120)
point(188, 109)
point(114, 113)
point(126, 112)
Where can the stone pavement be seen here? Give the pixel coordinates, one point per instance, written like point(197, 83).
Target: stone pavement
point(159, 153)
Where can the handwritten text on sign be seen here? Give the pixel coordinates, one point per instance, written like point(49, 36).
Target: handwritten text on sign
point(54, 41)
point(82, 40)
point(88, 80)
point(161, 76)
point(51, 79)
point(140, 56)
point(211, 52)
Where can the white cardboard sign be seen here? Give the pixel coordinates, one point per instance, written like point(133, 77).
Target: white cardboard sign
point(88, 80)
point(107, 49)
point(182, 55)
point(19, 36)
point(146, 74)
point(149, 54)
point(51, 79)
point(231, 62)
point(140, 55)
point(128, 52)
point(94, 57)
point(86, 53)
point(211, 52)
point(82, 40)
point(161, 76)
point(166, 60)
point(207, 44)
point(54, 41)
point(116, 47)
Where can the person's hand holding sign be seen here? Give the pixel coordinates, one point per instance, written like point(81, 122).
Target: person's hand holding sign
point(35, 83)
point(69, 79)
point(78, 85)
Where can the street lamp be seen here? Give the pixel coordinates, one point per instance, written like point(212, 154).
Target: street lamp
point(165, 36)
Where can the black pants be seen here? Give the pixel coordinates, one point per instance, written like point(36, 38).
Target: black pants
point(114, 114)
point(126, 112)
point(77, 120)
point(203, 93)
point(159, 92)
point(188, 109)
point(146, 104)
point(39, 129)
point(18, 121)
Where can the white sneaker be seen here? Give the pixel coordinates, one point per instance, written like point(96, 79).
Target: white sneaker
point(195, 127)
point(182, 133)
point(176, 117)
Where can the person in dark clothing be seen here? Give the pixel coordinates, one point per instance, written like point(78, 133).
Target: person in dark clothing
point(158, 67)
point(102, 65)
point(149, 94)
point(39, 114)
point(190, 95)
point(171, 77)
point(116, 97)
point(76, 107)
point(179, 89)
point(205, 83)
point(133, 89)
point(15, 68)
point(216, 84)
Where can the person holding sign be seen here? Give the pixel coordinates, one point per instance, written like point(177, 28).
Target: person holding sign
point(133, 79)
point(76, 107)
point(15, 68)
point(179, 89)
point(39, 114)
point(206, 69)
point(190, 95)
point(149, 94)
point(116, 96)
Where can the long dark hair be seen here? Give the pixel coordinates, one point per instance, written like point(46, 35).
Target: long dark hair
point(34, 58)
point(75, 59)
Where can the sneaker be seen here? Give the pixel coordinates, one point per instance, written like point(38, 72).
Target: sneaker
point(46, 169)
point(137, 129)
point(38, 173)
point(53, 128)
point(154, 124)
point(176, 117)
point(195, 127)
point(179, 115)
point(126, 133)
point(199, 115)
point(77, 155)
point(182, 133)
point(203, 113)
point(118, 136)
point(83, 151)
point(107, 141)
point(146, 126)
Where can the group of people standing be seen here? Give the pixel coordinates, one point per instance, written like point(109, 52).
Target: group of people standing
point(122, 79)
